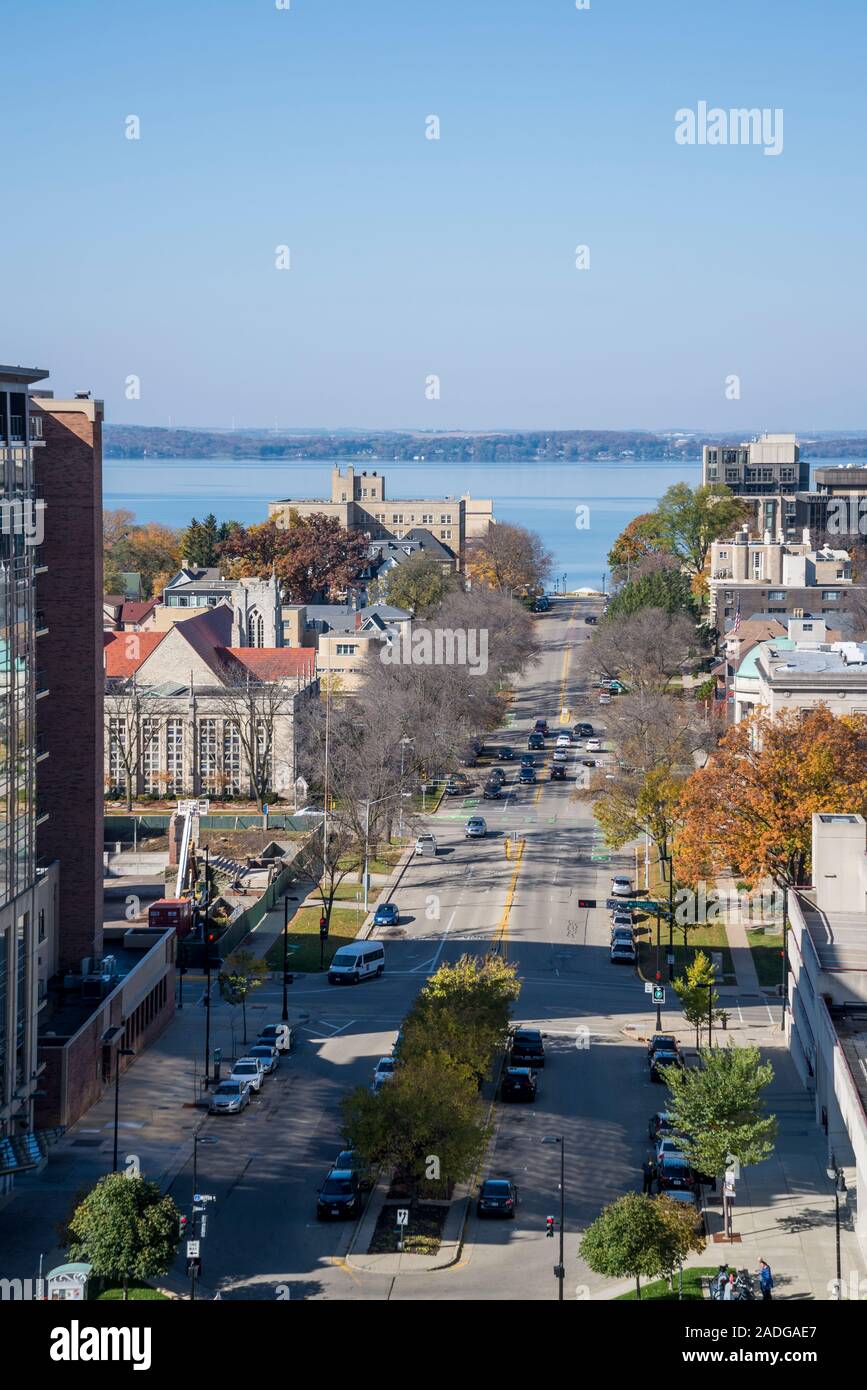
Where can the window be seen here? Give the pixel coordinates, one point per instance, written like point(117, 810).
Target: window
point(232, 757)
point(445, 535)
point(777, 594)
point(444, 519)
point(255, 629)
point(830, 595)
point(41, 920)
point(345, 649)
point(150, 758)
point(117, 752)
point(174, 757)
point(758, 565)
point(208, 768)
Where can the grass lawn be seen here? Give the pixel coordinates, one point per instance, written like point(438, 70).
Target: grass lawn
point(707, 937)
point(304, 934)
point(659, 1290)
point(135, 1293)
point(347, 890)
point(766, 950)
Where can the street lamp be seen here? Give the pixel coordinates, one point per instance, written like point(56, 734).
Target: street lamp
point(835, 1175)
point(367, 805)
point(119, 1052)
point(285, 1014)
point(560, 1270)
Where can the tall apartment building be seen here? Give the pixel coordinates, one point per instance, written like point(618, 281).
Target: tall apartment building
point(769, 473)
point(359, 503)
point(773, 576)
point(770, 464)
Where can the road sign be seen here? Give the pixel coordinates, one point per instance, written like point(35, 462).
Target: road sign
point(648, 987)
point(204, 1197)
point(638, 904)
point(658, 994)
point(192, 1249)
point(403, 1216)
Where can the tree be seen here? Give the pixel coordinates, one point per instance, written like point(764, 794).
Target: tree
point(640, 1237)
point(199, 542)
point(257, 710)
point(419, 585)
point(509, 557)
point(126, 1229)
point(695, 990)
point(151, 550)
point(640, 804)
point(241, 973)
point(750, 808)
point(463, 1010)
point(719, 1110)
point(691, 519)
point(312, 556)
point(640, 538)
point(644, 649)
point(132, 721)
point(653, 729)
point(665, 589)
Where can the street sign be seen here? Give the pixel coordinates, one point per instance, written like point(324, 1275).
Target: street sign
point(192, 1249)
point(204, 1197)
point(203, 1227)
point(403, 1216)
point(637, 904)
point(658, 994)
point(648, 987)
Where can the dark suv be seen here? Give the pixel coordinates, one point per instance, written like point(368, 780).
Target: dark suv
point(339, 1195)
point(527, 1048)
point(519, 1083)
point(536, 741)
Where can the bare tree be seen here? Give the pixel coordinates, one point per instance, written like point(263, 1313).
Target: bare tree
point(644, 649)
point(654, 730)
point(258, 710)
point(509, 557)
point(132, 726)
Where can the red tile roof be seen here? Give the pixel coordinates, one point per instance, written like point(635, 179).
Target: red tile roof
point(275, 663)
point(125, 651)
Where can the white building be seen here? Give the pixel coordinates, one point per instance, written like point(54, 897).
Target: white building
point(801, 671)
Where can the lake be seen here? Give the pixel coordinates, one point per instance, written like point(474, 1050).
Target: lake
point(543, 496)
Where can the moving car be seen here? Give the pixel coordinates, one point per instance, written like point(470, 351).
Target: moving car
point(563, 740)
point(476, 828)
point(229, 1097)
point(622, 953)
point(528, 1049)
point(279, 1035)
point(588, 762)
point(594, 745)
point(527, 776)
point(383, 1071)
point(455, 788)
point(339, 1195)
point(518, 1083)
point(250, 1071)
point(661, 1059)
point(267, 1055)
point(560, 756)
point(558, 772)
point(621, 935)
point(497, 774)
point(583, 730)
point(536, 741)
point(591, 619)
point(542, 604)
point(426, 843)
point(359, 961)
point(541, 726)
point(528, 760)
point(497, 1197)
point(491, 791)
point(505, 753)
point(386, 915)
point(621, 886)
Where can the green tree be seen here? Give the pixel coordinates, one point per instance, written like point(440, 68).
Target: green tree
point(242, 973)
point(693, 988)
point(666, 589)
point(641, 804)
point(463, 1010)
point(199, 542)
point(719, 1107)
point(126, 1229)
point(691, 519)
point(419, 585)
point(640, 1237)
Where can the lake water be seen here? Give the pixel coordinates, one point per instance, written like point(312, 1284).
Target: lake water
point(543, 496)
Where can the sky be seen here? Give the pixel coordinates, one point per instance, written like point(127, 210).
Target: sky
point(432, 283)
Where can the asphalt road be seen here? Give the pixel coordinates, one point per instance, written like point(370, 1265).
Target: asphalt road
point(594, 1092)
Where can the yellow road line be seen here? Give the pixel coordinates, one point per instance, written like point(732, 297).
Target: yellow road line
point(567, 657)
point(501, 936)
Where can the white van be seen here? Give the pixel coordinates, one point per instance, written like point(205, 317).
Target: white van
point(350, 964)
point(426, 843)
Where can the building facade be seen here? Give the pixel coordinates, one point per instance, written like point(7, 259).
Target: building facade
point(775, 576)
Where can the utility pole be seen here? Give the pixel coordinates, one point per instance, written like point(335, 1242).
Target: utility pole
point(285, 1014)
point(785, 981)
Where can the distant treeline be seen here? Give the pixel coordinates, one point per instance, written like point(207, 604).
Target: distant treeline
point(135, 441)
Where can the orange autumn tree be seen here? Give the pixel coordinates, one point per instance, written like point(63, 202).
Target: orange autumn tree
point(750, 808)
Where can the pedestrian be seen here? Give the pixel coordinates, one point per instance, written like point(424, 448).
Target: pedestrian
point(719, 1283)
point(648, 1170)
point(766, 1280)
point(729, 1290)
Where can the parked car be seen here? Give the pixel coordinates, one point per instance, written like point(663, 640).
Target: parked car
point(267, 1055)
point(383, 1071)
point(664, 1040)
point(684, 1196)
point(527, 1048)
point(348, 1161)
point(558, 772)
point(518, 1083)
point(660, 1123)
point(505, 753)
point(668, 1144)
point(497, 1197)
point(455, 788)
point(492, 791)
point(621, 935)
point(386, 915)
point(469, 759)
point(229, 1097)
point(536, 741)
point(527, 776)
point(661, 1059)
point(279, 1035)
point(249, 1070)
point(591, 619)
point(339, 1195)
point(426, 844)
point(621, 886)
point(476, 828)
point(675, 1172)
point(622, 953)
point(594, 745)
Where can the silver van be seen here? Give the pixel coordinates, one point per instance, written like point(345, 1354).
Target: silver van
point(350, 964)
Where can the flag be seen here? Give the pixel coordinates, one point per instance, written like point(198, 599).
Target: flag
point(737, 622)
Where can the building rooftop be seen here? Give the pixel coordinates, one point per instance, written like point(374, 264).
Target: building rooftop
point(843, 659)
point(840, 938)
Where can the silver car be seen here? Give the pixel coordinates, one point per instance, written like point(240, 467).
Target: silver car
point(267, 1055)
point(476, 828)
point(248, 1069)
point(229, 1098)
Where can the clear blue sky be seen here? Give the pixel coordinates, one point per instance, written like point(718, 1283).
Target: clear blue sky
point(410, 257)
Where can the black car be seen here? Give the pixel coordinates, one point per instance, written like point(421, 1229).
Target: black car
point(453, 788)
point(497, 774)
point(339, 1195)
point(518, 1083)
point(661, 1059)
point(349, 1161)
point(558, 772)
point(497, 1197)
point(536, 741)
point(527, 1049)
point(528, 760)
point(541, 727)
point(582, 730)
point(505, 753)
point(588, 762)
point(591, 619)
point(492, 791)
point(675, 1172)
point(667, 1041)
point(527, 776)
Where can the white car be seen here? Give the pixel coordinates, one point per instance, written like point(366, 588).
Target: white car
point(249, 1070)
point(426, 844)
point(563, 741)
point(605, 699)
point(559, 756)
point(594, 745)
point(621, 886)
point(622, 953)
point(383, 1071)
point(267, 1054)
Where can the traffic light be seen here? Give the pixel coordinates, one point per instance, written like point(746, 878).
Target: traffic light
point(586, 902)
point(549, 1226)
point(182, 1228)
point(323, 925)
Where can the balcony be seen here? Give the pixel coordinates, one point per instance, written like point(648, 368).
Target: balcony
point(41, 748)
point(36, 434)
point(41, 623)
point(16, 429)
point(41, 685)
